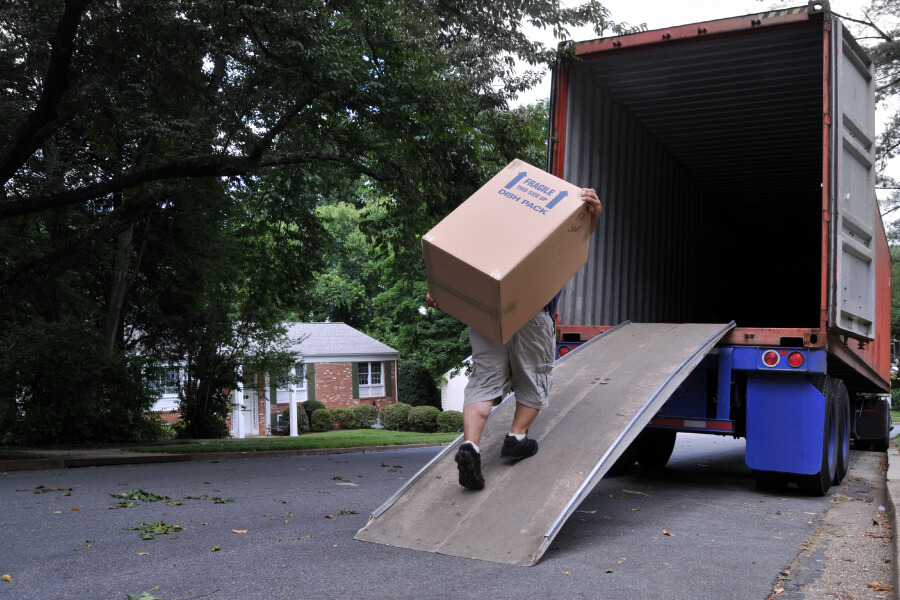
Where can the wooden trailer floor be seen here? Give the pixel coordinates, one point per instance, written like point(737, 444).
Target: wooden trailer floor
point(604, 393)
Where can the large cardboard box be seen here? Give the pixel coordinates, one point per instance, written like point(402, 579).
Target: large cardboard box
point(505, 252)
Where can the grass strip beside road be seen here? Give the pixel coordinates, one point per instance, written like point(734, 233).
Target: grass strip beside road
point(309, 441)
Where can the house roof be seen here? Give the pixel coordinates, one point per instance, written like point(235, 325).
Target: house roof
point(335, 339)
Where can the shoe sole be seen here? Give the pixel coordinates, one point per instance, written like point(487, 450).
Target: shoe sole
point(513, 457)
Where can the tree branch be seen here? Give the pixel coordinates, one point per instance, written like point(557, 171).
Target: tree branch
point(868, 23)
point(44, 118)
point(209, 166)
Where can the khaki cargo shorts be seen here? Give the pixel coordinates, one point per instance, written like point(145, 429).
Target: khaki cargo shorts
point(524, 364)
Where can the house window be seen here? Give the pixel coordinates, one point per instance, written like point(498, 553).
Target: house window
point(297, 376)
point(166, 382)
point(300, 373)
point(370, 381)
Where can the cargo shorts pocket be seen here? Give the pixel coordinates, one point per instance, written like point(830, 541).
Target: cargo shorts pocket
point(544, 382)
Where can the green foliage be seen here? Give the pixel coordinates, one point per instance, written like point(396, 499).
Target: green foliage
point(161, 165)
point(449, 421)
point(395, 416)
point(59, 384)
point(366, 415)
point(302, 419)
point(145, 595)
point(423, 419)
point(321, 420)
point(311, 406)
point(150, 530)
point(416, 385)
point(344, 416)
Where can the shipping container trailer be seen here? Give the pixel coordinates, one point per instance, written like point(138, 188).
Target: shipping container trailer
point(735, 163)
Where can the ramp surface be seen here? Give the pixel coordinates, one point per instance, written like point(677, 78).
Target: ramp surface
point(604, 393)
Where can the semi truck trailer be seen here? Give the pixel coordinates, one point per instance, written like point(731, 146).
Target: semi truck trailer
point(735, 160)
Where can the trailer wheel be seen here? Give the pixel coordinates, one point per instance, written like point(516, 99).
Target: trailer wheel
point(624, 464)
point(838, 390)
point(655, 447)
point(819, 483)
point(770, 480)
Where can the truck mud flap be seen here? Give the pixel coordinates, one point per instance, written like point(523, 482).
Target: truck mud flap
point(604, 393)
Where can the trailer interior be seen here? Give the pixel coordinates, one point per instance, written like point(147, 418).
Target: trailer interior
point(708, 158)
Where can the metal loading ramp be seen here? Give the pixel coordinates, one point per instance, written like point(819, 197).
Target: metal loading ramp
point(604, 393)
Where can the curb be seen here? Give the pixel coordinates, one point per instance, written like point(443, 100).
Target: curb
point(75, 461)
point(893, 499)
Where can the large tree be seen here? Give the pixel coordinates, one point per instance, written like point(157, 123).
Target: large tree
point(161, 160)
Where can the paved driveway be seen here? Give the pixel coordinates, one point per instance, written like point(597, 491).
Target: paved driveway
point(283, 529)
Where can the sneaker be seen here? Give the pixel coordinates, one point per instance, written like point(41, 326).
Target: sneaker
point(469, 464)
point(517, 450)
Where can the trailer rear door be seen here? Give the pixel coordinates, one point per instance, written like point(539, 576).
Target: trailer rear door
point(854, 208)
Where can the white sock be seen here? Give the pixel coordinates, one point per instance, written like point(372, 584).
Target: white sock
point(518, 436)
point(474, 445)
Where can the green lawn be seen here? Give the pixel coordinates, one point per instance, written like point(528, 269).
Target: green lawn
point(895, 416)
point(308, 441)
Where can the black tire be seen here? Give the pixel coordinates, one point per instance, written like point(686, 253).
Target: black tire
point(655, 447)
point(842, 407)
point(819, 483)
point(625, 463)
point(770, 480)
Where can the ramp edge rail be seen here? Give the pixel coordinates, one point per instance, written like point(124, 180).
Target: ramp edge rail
point(597, 472)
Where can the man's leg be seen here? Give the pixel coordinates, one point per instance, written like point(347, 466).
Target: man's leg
point(531, 363)
point(468, 457)
point(522, 420)
point(474, 417)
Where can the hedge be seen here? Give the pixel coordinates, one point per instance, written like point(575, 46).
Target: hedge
point(423, 419)
point(395, 416)
point(344, 417)
point(450, 421)
point(302, 418)
point(366, 415)
point(311, 406)
point(321, 420)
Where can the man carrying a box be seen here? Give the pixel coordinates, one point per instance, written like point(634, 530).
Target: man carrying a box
point(524, 364)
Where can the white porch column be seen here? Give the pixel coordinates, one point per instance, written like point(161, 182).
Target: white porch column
point(268, 404)
point(239, 402)
point(293, 403)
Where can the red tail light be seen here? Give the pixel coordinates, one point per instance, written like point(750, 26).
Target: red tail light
point(770, 358)
point(563, 350)
point(795, 359)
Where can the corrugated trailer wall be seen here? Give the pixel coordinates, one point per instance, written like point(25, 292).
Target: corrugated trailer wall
point(707, 155)
point(651, 256)
point(705, 144)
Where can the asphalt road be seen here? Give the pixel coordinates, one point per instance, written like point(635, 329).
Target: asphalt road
point(698, 529)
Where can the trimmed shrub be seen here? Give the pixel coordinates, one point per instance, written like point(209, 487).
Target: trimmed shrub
point(416, 385)
point(366, 414)
point(395, 416)
point(311, 406)
point(302, 420)
point(321, 420)
point(450, 421)
point(344, 417)
point(423, 419)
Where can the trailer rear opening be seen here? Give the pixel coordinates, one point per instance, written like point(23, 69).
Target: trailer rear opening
point(735, 162)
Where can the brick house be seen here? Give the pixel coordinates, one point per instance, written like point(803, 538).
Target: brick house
point(338, 365)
